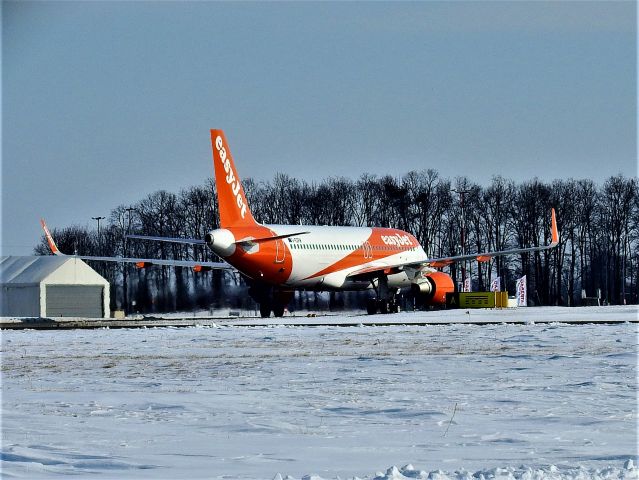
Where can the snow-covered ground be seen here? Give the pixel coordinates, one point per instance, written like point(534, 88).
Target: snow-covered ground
point(502, 401)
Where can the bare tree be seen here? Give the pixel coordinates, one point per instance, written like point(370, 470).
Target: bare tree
point(599, 229)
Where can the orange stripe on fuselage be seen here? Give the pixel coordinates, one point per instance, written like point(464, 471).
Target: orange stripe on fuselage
point(384, 243)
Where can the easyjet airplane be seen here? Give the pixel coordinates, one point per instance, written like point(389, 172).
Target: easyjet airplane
point(276, 260)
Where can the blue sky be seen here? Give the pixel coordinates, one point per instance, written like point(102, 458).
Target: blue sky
point(105, 102)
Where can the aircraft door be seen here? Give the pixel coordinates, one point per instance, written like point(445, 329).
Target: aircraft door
point(368, 250)
point(280, 251)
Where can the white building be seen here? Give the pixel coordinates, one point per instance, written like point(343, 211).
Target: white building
point(51, 286)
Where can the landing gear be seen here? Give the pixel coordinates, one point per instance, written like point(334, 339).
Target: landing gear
point(269, 299)
point(371, 306)
point(374, 305)
point(278, 310)
point(265, 309)
point(386, 301)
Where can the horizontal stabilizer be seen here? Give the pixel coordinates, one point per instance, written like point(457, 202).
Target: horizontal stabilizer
point(251, 241)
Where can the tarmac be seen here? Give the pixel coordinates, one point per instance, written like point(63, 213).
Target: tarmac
point(528, 315)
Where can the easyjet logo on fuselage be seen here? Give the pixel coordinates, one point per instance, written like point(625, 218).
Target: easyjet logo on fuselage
point(230, 176)
point(397, 239)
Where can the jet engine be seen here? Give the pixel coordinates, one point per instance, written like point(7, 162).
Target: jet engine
point(221, 241)
point(433, 289)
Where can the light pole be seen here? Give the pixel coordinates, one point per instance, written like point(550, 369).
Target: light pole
point(129, 210)
point(126, 265)
point(99, 238)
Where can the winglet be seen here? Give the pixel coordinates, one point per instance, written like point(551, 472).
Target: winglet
point(553, 229)
point(52, 245)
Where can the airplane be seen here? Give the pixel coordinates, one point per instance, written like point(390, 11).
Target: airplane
point(277, 260)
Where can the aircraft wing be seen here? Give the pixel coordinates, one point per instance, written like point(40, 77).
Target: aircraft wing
point(139, 262)
point(187, 241)
point(391, 268)
point(484, 257)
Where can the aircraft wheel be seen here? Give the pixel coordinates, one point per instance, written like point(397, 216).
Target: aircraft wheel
point(265, 309)
point(371, 306)
point(278, 310)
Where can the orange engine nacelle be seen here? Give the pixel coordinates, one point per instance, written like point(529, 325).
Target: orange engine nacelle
point(433, 291)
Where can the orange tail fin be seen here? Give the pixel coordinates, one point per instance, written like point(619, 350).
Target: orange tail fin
point(234, 209)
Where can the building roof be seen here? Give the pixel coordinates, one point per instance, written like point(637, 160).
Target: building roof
point(37, 269)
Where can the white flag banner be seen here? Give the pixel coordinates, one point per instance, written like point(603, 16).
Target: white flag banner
point(522, 292)
point(495, 285)
point(467, 286)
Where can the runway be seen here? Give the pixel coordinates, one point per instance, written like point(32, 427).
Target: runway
point(569, 315)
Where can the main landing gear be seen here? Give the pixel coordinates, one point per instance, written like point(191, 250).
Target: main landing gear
point(374, 305)
point(270, 299)
point(386, 300)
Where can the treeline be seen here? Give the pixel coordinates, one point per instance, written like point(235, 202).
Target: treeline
point(598, 225)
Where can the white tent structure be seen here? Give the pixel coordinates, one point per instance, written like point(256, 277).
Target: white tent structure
point(51, 286)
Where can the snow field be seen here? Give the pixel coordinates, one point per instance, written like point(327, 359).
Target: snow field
point(459, 401)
